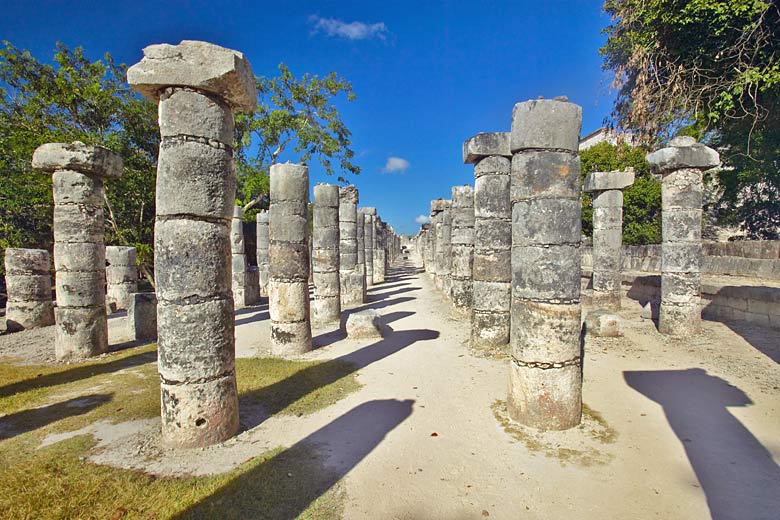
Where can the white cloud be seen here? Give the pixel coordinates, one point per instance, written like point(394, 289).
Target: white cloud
point(423, 219)
point(350, 31)
point(395, 165)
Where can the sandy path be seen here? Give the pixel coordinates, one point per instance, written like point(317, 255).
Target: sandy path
point(691, 429)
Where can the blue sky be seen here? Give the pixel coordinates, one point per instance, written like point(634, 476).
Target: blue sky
point(427, 75)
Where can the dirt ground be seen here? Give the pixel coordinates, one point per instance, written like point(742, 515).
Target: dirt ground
point(672, 428)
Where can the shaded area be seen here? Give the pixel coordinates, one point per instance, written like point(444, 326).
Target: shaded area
point(285, 485)
point(736, 472)
point(29, 420)
point(278, 396)
point(328, 338)
point(760, 338)
point(258, 316)
point(379, 296)
point(78, 372)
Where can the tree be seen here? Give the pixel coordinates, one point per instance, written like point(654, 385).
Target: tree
point(297, 115)
point(641, 202)
point(73, 100)
point(710, 69)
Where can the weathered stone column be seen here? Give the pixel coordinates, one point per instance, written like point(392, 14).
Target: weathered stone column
point(352, 280)
point(262, 251)
point(199, 86)
point(681, 165)
point(492, 269)
point(288, 283)
point(607, 235)
point(369, 238)
point(462, 246)
point(545, 374)
point(444, 248)
point(380, 253)
point(430, 252)
point(246, 278)
point(121, 275)
point(79, 254)
point(142, 317)
point(360, 230)
point(327, 286)
point(28, 283)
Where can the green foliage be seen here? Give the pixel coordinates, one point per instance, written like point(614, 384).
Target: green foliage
point(709, 69)
point(293, 115)
point(641, 202)
point(73, 100)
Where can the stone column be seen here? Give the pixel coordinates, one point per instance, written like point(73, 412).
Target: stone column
point(288, 282)
point(681, 165)
point(444, 248)
point(492, 270)
point(79, 171)
point(246, 278)
point(462, 246)
point(327, 287)
point(262, 251)
point(380, 253)
point(607, 235)
point(198, 86)
point(545, 377)
point(121, 275)
point(142, 317)
point(360, 230)
point(430, 250)
point(352, 280)
point(28, 283)
point(369, 237)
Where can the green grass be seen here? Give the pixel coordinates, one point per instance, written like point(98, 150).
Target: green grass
point(58, 482)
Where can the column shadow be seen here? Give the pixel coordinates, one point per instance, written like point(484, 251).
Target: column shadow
point(77, 373)
point(282, 487)
point(331, 337)
point(736, 472)
point(278, 396)
point(25, 421)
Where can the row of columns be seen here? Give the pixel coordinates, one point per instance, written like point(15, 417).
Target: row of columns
point(518, 269)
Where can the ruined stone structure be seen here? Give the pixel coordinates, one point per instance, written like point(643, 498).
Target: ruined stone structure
point(444, 248)
point(121, 275)
point(492, 270)
point(28, 283)
point(78, 173)
point(353, 286)
point(360, 231)
point(462, 246)
point(245, 278)
point(380, 251)
point(607, 234)
point(198, 86)
point(288, 283)
point(142, 317)
point(681, 165)
point(369, 239)
point(545, 381)
point(262, 251)
point(325, 243)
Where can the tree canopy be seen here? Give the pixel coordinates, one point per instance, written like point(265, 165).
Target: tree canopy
point(710, 69)
point(76, 99)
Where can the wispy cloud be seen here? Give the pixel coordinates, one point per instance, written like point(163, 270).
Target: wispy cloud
point(351, 31)
point(395, 165)
point(423, 219)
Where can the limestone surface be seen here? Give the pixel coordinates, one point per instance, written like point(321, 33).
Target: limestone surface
point(604, 324)
point(203, 66)
point(364, 324)
point(28, 284)
point(326, 255)
point(142, 317)
point(484, 145)
point(121, 275)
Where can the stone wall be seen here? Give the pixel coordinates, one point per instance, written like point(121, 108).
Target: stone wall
point(753, 295)
point(752, 258)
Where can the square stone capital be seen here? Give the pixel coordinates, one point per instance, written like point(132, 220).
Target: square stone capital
point(348, 194)
point(683, 152)
point(484, 145)
point(91, 160)
point(603, 181)
point(199, 65)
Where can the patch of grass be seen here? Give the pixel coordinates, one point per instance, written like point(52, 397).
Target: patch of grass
point(565, 446)
point(56, 482)
point(59, 482)
point(294, 387)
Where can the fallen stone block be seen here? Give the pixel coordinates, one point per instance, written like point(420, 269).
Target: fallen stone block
point(364, 325)
point(603, 324)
